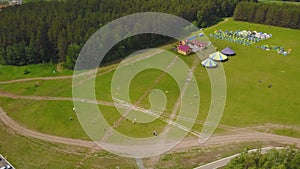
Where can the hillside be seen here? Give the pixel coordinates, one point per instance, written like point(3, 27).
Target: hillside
point(44, 104)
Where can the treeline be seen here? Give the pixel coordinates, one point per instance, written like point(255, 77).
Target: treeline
point(285, 159)
point(277, 14)
point(55, 31)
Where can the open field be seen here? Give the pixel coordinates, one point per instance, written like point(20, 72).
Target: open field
point(28, 153)
point(249, 103)
point(39, 70)
point(53, 117)
point(287, 132)
point(62, 88)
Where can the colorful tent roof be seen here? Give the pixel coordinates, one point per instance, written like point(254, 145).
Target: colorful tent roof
point(183, 48)
point(218, 56)
point(228, 51)
point(209, 63)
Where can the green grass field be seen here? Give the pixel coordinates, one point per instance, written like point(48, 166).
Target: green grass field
point(27, 153)
point(249, 100)
point(38, 70)
point(138, 86)
point(53, 117)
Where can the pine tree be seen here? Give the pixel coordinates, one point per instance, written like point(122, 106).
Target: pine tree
point(62, 44)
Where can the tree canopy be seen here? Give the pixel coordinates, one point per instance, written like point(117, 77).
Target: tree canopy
point(54, 31)
point(275, 159)
point(277, 14)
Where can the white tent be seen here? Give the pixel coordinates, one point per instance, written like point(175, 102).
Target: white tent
point(209, 63)
point(218, 56)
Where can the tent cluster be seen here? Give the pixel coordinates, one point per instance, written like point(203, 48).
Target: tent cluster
point(241, 37)
point(279, 49)
point(215, 57)
point(192, 45)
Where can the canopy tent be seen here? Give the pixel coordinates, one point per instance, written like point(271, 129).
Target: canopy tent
point(228, 51)
point(209, 63)
point(218, 56)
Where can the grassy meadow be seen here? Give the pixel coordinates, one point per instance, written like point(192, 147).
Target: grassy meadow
point(39, 70)
point(249, 100)
point(28, 153)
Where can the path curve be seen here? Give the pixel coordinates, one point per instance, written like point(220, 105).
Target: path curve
point(186, 143)
point(10, 123)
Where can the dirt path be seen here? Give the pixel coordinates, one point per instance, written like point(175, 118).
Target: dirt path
point(240, 134)
point(10, 123)
point(46, 78)
point(246, 134)
point(39, 98)
point(239, 137)
point(186, 143)
point(88, 73)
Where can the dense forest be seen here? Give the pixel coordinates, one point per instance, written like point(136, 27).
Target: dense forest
point(55, 31)
point(277, 14)
point(284, 159)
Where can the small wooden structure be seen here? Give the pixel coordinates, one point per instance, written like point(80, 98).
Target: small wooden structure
point(183, 49)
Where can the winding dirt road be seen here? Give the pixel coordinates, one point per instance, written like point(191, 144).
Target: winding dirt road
point(247, 134)
point(10, 123)
point(186, 143)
